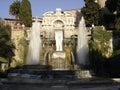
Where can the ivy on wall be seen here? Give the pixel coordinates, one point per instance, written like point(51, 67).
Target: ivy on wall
point(101, 41)
point(24, 47)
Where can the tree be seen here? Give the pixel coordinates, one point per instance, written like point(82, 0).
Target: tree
point(25, 13)
point(91, 12)
point(14, 9)
point(111, 5)
point(114, 7)
point(118, 16)
point(6, 45)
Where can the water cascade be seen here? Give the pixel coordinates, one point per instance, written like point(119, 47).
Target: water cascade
point(82, 46)
point(33, 55)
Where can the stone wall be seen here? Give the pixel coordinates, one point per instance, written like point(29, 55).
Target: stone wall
point(17, 35)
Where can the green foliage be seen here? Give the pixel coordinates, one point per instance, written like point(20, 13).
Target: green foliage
point(111, 5)
point(115, 53)
point(24, 44)
point(6, 45)
point(25, 13)
point(102, 35)
point(91, 12)
point(108, 20)
point(117, 23)
point(3, 60)
point(118, 8)
point(99, 49)
point(14, 9)
point(114, 18)
point(96, 60)
point(116, 34)
point(117, 26)
point(22, 11)
point(101, 40)
point(116, 37)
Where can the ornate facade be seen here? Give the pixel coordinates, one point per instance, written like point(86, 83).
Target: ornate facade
point(67, 21)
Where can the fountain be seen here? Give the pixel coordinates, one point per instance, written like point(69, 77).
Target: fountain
point(33, 55)
point(82, 47)
point(58, 66)
point(82, 51)
point(33, 67)
point(30, 75)
point(59, 56)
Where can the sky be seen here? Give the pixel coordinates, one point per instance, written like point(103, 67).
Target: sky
point(39, 7)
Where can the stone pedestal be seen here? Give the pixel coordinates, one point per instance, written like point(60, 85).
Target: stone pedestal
point(59, 60)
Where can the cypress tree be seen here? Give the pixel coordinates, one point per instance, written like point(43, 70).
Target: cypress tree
point(111, 5)
point(26, 13)
point(114, 6)
point(118, 16)
point(91, 12)
point(108, 19)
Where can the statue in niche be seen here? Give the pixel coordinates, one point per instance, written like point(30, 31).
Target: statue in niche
point(58, 26)
point(59, 40)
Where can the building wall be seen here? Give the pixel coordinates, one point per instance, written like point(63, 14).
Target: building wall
point(17, 34)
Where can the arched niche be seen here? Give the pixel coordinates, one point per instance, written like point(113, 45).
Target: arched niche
point(58, 24)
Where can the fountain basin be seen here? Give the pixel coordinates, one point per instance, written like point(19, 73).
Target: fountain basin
point(40, 72)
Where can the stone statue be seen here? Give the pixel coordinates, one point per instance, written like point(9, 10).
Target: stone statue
point(59, 40)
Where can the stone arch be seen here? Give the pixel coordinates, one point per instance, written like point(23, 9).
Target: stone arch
point(59, 22)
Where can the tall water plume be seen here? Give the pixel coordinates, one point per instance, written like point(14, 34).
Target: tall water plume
point(33, 55)
point(82, 44)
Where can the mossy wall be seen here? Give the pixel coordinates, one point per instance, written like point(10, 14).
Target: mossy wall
point(49, 47)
